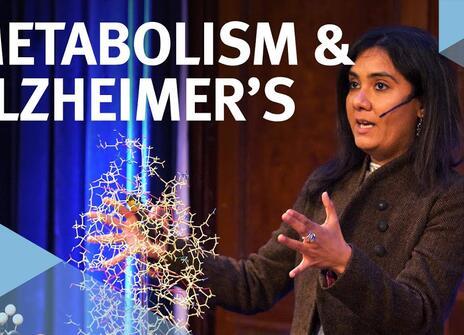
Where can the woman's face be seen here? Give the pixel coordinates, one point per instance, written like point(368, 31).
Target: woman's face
point(376, 87)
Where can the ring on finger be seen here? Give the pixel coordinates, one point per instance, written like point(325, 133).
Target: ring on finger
point(309, 238)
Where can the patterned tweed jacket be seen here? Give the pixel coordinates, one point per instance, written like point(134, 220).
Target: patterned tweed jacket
point(406, 266)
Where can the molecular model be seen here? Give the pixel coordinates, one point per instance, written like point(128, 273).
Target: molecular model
point(153, 234)
point(6, 323)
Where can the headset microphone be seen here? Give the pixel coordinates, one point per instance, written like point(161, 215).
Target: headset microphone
point(408, 99)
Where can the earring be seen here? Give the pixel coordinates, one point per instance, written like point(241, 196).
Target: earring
point(419, 126)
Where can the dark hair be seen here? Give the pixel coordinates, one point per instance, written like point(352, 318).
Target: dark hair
point(415, 55)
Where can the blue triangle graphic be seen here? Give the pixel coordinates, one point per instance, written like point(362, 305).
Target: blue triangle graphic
point(451, 29)
point(21, 260)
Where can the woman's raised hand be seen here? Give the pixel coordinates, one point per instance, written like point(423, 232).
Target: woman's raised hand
point(322, 246)
point(130, 233)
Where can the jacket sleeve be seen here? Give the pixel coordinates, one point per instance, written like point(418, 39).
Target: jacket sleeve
point(254, 284)
point(419, 299)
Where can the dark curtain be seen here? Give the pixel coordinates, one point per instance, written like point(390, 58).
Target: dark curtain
point(47, 166)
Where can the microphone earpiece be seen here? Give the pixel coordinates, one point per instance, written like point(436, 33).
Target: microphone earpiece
point(408, 99)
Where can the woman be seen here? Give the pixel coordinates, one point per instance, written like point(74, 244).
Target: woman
point(380, 252)
point(394, 199)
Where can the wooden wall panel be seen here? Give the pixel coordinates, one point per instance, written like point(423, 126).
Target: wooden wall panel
point(260, 165)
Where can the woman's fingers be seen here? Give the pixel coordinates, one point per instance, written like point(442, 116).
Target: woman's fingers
point(292, 244)
point(160, 213)
point(153, 272)
point(298, 246)
point(156, 212)
point(116, 259)
point(106, 238)
point(117, 205)
point(154, 250)
point(300, 223)
point(330, 212)
point(299, 269)
point(106, 218)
